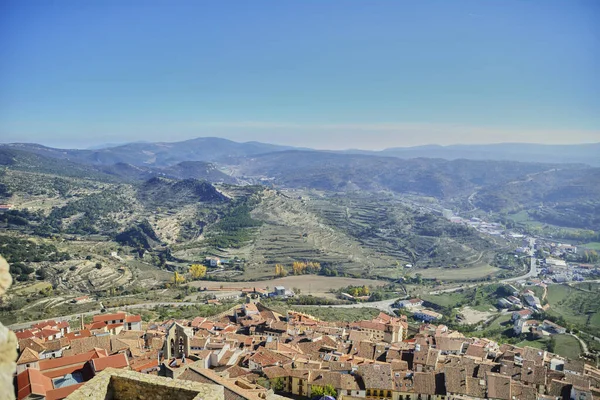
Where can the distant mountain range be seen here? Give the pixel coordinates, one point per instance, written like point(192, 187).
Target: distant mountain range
point(497, 178)
point(210, 149)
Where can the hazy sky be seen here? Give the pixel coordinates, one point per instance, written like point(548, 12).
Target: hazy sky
point(327, 74)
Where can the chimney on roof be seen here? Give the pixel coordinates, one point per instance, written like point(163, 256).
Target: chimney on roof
point(81, 327)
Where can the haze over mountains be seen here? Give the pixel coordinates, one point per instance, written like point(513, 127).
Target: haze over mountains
point(217, 149)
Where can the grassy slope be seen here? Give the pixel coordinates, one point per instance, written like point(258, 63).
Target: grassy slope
point(567, 346)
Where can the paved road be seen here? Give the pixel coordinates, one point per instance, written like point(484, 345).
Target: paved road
point(23, 325)
point(532, 272)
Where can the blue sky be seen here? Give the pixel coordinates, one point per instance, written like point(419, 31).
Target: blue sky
point(327, 74)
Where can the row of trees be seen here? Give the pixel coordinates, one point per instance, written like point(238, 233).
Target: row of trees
point(196, 271)
point(299, 268)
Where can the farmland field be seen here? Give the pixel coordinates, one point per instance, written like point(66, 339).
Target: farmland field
point(331, 313)
point(308, 284)
point(464, 273)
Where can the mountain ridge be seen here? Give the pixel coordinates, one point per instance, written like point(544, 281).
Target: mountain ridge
point(213, 149)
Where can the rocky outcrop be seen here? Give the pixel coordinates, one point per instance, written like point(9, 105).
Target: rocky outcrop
point(8, 341)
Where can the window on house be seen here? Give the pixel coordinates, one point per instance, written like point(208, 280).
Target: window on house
point(368, 392)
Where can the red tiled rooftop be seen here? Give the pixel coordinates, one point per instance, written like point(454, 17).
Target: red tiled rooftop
point(24, 334)
point(109, 317)
point(115, 361)
point(78, 334)
point(133, 318)
point(61, 393)
point(61, 362)
point(32, 381)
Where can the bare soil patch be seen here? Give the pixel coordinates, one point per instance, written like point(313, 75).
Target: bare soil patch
point(471, 316)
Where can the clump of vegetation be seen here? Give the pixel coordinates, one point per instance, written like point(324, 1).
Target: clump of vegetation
point(21, 253)
point(84, 216)
point(189, 312)
point(140, 235)
point(233, 228)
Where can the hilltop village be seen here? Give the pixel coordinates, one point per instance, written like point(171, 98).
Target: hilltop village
point(253, 352)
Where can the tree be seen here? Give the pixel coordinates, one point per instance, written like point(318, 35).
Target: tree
point(280, 270)
point(197, 271)
point(327, 390)
point(277, 383)
point(178, 278)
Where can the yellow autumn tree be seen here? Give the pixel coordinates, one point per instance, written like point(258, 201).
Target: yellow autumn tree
point(178, 278)
point(280, 270)
point(197, 271)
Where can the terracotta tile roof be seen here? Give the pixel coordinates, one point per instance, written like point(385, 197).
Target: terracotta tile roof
point(57, 344)
point(476, 387)
point(44, 324)
point(60, 372)
point(109, 317)
point(197, 321)
point(522, 392)
point(446, 343)
point(78, 334)
point(456, 380)
point(376, 376)
point(534, 374)
point(499, 386)
point(335, 379)
point(47, 332)
point(55, 363)
point(275, 372)
point(32, 381)
point(144, 365)
point(424, 383)
point(477, 351)
point(95, 325)
point(86, 344)
point(24, 334)
point(533, 354)
point(61, 393)
point(33, 343)
point(574, 365)
point(237, 371)
point(115, 361)
point(28, 356)
point(558, 388)
point(133, 318)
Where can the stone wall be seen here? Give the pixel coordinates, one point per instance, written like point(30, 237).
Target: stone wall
point(118, 384)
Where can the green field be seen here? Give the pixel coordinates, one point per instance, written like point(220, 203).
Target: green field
point(330, 313)
point(538, 344)
point(578, 307)
point(502, 322)
point(449, 300)
point(592, 245)
point(567, 346)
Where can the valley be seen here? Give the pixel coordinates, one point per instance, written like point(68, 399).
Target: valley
point(125, 232)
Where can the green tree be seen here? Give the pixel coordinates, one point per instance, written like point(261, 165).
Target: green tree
point(327, 390)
